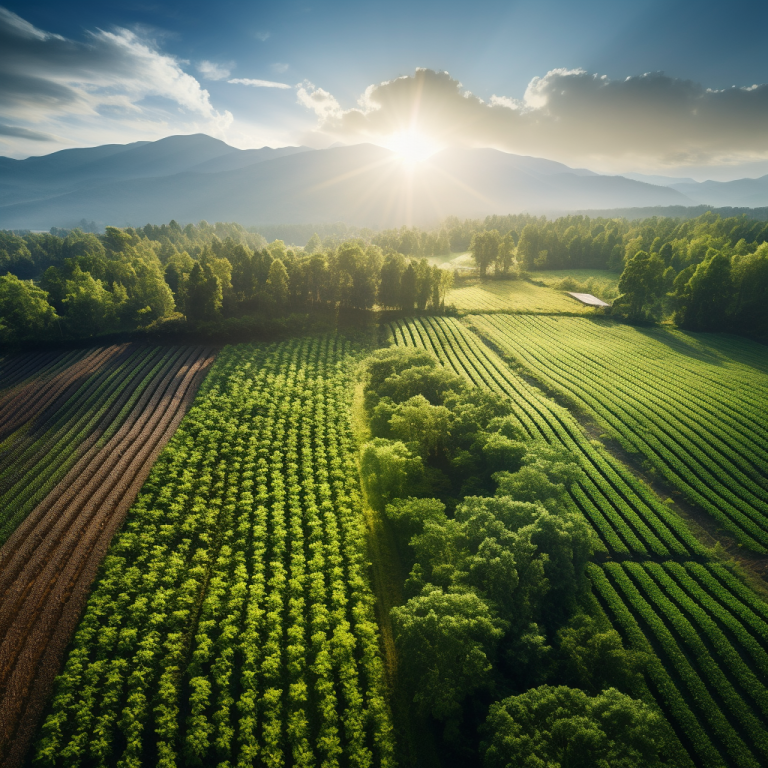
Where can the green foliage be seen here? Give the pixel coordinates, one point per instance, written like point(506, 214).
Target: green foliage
point(389, 470)
point(565, 728)
point(593, 656)
point(232, 621)
point(445, 642)
point(641, 282)
point(24, 311)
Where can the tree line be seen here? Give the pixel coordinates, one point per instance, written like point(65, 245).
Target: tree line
point(498, 636)
point(83, 284)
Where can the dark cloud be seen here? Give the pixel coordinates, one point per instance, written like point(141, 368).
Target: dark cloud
point(24, 133)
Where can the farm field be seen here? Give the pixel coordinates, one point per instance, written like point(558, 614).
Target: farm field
point(513, 296)
point(80, 433)
point(695, 406)
point(599, 282)
point(232, 622)
point(702, 630)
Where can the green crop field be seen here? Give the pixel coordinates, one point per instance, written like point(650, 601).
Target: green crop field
point(702, 631)
point(513, 296)
point(232, 622)
point(696, 407)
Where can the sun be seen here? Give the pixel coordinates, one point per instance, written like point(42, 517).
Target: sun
point(411, 148)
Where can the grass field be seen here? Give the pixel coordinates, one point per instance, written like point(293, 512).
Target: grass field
point(513, 296)
point(695, 405)
point(81, 431)
point(703, 631)
point(598, 282)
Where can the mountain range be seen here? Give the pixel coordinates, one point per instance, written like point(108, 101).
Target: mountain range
point(189, 178)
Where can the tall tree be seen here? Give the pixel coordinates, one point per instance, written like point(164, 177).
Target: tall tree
point(641, 282)
point(24, 310)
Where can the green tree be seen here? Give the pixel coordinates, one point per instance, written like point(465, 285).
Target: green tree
point(24, 310)
point(313, 244)
point(277, 283)
point(565, 728)
point(408, 288)
point(750, 279)
point(485, 249)
point(203, 295)
point(389, 471)
point(90, 308)
point(641, 282)
point(417, 422)
point(593, 657)
point(705, 299)
point(391, 275)
point(445, 644)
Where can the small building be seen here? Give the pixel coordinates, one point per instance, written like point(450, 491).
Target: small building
point(588, 298)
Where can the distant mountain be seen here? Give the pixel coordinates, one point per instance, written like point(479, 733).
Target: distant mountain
point(662, 181)
point(189, 178)
point(751, 193)
point(72, 169)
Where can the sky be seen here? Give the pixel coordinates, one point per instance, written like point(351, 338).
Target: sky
point(674, 88)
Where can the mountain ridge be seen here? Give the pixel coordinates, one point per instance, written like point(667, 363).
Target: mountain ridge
point(189, 178)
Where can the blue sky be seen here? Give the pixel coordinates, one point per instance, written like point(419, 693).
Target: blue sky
point(492, 48)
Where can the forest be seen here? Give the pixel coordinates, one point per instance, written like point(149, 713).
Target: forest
point(707, 273)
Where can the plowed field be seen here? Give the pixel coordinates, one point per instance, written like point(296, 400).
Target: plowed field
point(80, 432)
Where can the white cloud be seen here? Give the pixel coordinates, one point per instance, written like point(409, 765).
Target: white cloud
point(115, 86)
point(262, 36)
point(279, 68)
point(212, 71)
point(258, 83)
point(321, 102)
point(650, 120)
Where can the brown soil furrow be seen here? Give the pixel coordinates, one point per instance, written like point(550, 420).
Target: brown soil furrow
point(33, 397)
point(48, 664)
point(33, 384)
point(67, 412)
point(63, 587)
point(56, 522)
point(15, 370)
point(58, 416)
point(39, 522)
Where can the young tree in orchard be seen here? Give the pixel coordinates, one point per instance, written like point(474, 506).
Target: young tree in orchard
point(641, 282)
point(24, 310)
point(560, 726)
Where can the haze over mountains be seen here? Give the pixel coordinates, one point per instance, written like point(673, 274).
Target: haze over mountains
point(189, 178)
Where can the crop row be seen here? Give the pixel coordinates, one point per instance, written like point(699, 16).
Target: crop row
point(233, 622)
point(627, 516)
point(34, 460)
point(701, 631)
point(705, 657)
point(699, 447)
point(48, 563)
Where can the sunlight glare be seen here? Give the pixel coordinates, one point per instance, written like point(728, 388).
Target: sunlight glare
point(412, 148)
